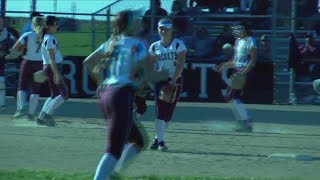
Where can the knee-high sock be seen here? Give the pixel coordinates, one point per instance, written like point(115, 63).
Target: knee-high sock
point(241, 109)
point(129, 151)
point(46, 105)
point(55, 103)
point(21, 100)
point(33, 103)
point(235, 111)
point(160, 129)
point(244, 111)
point(105, 167)
point(2, 91)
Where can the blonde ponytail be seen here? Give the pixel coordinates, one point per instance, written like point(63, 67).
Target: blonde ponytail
point(38, 27)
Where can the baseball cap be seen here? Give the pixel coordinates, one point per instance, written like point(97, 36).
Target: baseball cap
point(167, 23)
point(35, 13)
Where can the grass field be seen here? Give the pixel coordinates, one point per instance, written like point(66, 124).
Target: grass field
point(77, 43)
point(50, 175)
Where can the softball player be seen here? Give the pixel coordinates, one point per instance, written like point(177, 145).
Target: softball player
point(169, 54)
point(6, 41)
point(52, 60)
point(243, 62)
point(122, 55)
point(32, 62)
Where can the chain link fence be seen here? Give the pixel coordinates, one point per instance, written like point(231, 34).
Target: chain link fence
point(84, 28)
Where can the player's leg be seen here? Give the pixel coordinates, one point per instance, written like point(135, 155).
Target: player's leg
point(238, 108)
point(44, 118)
point(34, 96)
point(164, 115)
point(117, 106)
point(2, 86)
point(25, 76)
point(137, 141)
point(59, 99)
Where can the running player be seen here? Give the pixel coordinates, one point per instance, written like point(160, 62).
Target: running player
point(123, 55)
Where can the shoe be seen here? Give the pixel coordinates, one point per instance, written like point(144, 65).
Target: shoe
point(45, 119)
point(243, 126)
point(162, 146)
point(30, 117)
point(3, 108)
point(50, 121)
point(18, 114)
point(154, 145)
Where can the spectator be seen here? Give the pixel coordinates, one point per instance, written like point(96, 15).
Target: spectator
point(145, 33)
point(246, 5)
point(200, 44)
point(212, 5)
point(7, 24)
point(28, 26)
point(264, 50)
point(224, 37)
point(6, 42)
point(308, 50)
point(180, 19)
point(158, 12)
point(261, 7)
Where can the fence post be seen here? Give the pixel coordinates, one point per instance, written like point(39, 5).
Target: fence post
point(292, 94)
point(93, 33)
point(108, 21)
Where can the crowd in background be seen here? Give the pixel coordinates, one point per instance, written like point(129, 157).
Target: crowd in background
point(203, 45)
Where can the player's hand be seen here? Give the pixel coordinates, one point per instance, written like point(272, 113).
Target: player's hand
point(224, 66)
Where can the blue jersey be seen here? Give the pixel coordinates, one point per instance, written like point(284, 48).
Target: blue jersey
point(127, 53)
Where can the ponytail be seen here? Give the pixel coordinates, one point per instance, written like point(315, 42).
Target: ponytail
point(38, 27)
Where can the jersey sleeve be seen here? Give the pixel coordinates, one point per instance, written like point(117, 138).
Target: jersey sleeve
point(103, 48)
point(252, 43)
point(51, 43)
point(152, 50)
point(23, 38)
point(181, 46)
point(142, 51)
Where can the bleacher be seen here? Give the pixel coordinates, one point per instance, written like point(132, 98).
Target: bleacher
point(283, 78)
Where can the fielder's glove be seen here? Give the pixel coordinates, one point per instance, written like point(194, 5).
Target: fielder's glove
point(168, 93)
point(39, 76)
point(237, 81)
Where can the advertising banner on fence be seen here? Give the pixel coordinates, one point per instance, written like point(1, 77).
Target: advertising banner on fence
point(201, 82)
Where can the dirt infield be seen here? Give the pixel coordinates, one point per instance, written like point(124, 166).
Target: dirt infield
point(200, 140)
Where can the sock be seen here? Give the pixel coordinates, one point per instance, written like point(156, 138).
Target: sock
point(160, 129)
point(46, 105)
point(54, 104)
point(235, 112)
point(33, 103)
point(129, 151)
point(241, 110)
point(105, 167)
point(21, 100)
point(2, 91)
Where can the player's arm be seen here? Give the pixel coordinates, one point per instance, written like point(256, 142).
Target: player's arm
point(150, 74)
point(94, 66)
point(53, 65)
point(14, 51)
point(181, 59)
point(252, 62)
